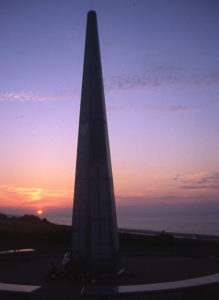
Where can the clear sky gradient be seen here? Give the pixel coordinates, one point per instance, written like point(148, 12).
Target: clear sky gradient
point(161, 74)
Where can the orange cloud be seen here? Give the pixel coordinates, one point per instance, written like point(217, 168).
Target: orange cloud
point(197, 175)
point(11, 195)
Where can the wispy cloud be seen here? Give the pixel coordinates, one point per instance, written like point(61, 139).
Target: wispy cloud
point(168, 108)
point(123, 82)
point(25, 96)
point(163, 77)
point(30, 96)
point(200, 187)
point(166, 203)
point(200, 181)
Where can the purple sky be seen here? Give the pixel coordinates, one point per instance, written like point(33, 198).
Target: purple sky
point(161, 73)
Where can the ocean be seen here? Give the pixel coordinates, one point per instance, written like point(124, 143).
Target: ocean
point(207, 224)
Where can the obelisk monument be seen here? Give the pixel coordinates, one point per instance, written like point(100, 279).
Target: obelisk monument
point(94, 236)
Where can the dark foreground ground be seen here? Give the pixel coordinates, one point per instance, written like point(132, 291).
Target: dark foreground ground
point(150, 258)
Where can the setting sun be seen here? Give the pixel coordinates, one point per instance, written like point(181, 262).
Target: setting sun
point(39, 212)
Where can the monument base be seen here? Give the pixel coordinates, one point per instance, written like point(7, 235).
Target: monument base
point(95, 269)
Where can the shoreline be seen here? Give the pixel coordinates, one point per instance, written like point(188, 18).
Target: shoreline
point(31, 230)
point(193, 236)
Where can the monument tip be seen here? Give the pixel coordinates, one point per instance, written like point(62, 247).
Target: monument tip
point(92, 13)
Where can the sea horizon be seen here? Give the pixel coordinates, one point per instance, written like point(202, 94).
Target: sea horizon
point(182, 223)
point(179, 223)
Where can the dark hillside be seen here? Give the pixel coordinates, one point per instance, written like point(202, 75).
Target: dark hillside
point(30, 231)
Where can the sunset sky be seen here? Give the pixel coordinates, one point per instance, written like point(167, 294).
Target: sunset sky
point(161, 75)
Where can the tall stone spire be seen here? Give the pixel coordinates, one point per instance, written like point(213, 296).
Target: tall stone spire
point(95, 236)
